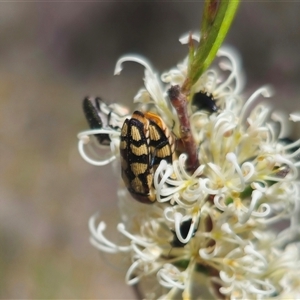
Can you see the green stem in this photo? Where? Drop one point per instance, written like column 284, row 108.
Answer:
column 216, row 21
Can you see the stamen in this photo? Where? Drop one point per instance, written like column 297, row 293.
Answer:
column 250, row 250
column 226, row 228
column 293, row 172
column 144, row 255
column 255, row 197
column 178, row 219
column 226, row 278
column 133, row 238
column 249, row 169
column 294, row 154
column 292, row 145
column 181, row 165
column 265, row 211
column 265, row 91
column 169, row 213
column 233, row 67
column 208, row 254
column 219, row 201
column 233, row 159
column 261, row 186
column 169, row 276
column 205, row 182
column 84, row 140
column 173, row 76
column 81, row 150
column 131, row 273
column 284, row 126
column 267, row 288
column 164, row 194
column 288, row 236
column 99, row 240
column 134, row 58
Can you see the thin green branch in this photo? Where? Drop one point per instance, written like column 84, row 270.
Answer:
column 217, row 18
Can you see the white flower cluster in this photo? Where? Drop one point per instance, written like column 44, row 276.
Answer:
column 220, row 220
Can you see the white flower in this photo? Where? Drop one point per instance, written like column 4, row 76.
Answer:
column 215, row 221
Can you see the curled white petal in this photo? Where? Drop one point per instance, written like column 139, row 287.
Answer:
column 99, row 240
column 132, row 237
column 233, row 159
column 256, row 195
column 284, row 126
column 84, row 139
column 134, row 58
column 234, row 67
column 131, row 278
column 169, row 276
column 265, row 91
column 81, row 150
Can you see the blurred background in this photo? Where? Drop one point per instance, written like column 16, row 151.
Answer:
column 51, row 56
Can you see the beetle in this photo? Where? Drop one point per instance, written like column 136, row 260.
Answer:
column 204, row 100
column 100, row 115
column 145, row 141
column 91, row 110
